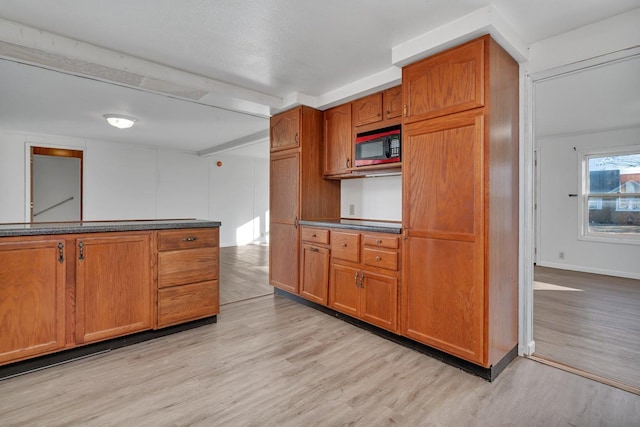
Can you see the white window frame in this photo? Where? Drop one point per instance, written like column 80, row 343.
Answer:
column 584, row 233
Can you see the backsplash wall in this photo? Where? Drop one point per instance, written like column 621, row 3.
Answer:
column 372, row 198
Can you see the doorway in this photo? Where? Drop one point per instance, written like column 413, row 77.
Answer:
column 56, row 184
column 586, row 296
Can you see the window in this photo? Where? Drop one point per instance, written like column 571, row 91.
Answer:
column 612, row 194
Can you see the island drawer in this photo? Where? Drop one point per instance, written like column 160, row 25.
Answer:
column 187, row 266
column 188, row 302
column 188, row 238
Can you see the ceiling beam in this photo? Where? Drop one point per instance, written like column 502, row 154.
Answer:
column 37, row 47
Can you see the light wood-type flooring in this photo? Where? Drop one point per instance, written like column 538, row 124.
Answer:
column 244, row 273
column 270, row 361
column 590, row 322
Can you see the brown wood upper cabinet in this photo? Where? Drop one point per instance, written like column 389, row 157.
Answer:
column 338, row 140
column 285, row 130
column 367, row 110
column 378, row 107
column 392, row 102
column 446, row 83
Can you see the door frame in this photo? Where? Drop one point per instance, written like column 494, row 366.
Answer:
column 32, row 148
column 528, row 226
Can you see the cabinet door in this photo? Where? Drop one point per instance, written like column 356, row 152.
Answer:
column 114, row 286
column 32, row 289
column 443, row 296
column 338, row 140
column 379, row 300
column 283, row 232
column 285, row 130
column 367, row 110
column 392, row 101
column 315, row 273
column 343, row 289
column 449, row 82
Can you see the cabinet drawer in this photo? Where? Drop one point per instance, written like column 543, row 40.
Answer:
column 187, row 266
column 382, row 259
column 315, row 235
column 188, row 302
column 345, row 246
column 188, row 238
column 381, row 241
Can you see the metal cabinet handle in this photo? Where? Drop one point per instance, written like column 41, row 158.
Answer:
column 362, row 281
column 189, row 239
column 81, row 247
column 297, row 141
column 347, row 161
column 60, row 253
column 355, row 281
column 314, row 249
column 295, row 222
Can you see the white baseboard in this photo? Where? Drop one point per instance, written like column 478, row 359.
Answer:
column 625, row 274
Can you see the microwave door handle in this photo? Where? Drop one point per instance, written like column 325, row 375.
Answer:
column 387, row 147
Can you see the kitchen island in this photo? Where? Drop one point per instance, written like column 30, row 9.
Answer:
column 74, row 288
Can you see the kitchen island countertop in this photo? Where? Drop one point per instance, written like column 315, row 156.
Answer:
column 48, row 228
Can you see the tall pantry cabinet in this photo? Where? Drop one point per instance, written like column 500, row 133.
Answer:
column 297, row 190
column 460, row 202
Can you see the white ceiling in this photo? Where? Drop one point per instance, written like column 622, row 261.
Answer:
column 262, row 50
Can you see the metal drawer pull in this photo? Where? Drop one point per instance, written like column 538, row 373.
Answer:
column 314, row 235
column 189, row 239
column 344, row 245
column 378, row 258
column 314, row 249
column 379, row 242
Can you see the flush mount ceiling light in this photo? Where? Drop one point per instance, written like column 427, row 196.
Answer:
column 119, row 121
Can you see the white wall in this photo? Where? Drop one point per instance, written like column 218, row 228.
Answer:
column 121, row 181
column 372, row 198
column 559, row 214
column 239, row 197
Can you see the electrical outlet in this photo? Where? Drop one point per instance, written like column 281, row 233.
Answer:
column 352, row 209
column 561, row 255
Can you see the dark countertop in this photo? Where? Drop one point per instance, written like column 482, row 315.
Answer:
column 357, row 224
column 45, row 228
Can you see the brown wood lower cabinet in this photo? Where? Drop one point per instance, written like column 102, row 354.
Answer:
column 372, row 297
column 352, row 272
column 62, row 291
column 32, row 289
column 188, row 264
column 114, row 286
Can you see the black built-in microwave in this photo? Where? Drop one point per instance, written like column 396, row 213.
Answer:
column 378, row 146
